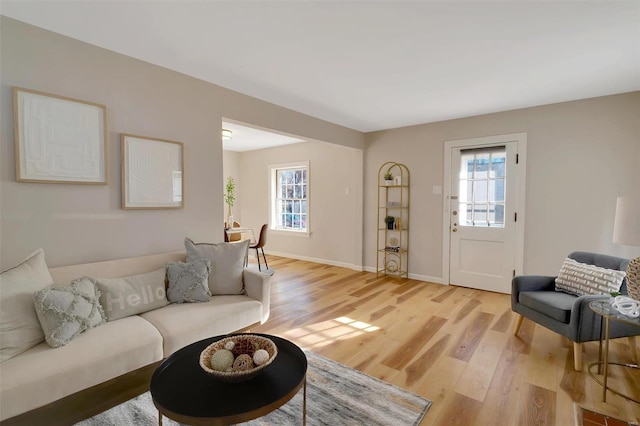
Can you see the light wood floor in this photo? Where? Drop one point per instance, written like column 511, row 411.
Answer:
column 452, row 345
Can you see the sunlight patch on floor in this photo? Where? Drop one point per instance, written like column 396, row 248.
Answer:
column 324, row 333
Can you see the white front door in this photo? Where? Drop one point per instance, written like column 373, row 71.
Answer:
column 484, row 199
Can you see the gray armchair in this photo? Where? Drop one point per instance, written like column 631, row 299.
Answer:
column 534, row 297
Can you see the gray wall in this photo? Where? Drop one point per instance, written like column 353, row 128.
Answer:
column 83, row 223
column 581, row 156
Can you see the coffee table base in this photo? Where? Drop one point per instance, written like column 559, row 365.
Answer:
column 304, row 405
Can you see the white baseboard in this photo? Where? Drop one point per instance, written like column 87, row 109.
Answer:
column 316, row 260
column 426, row 278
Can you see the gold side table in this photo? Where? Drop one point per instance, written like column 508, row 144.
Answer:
column 608, row 313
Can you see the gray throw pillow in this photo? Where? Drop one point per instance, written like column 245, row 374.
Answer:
column 65, row 312
column 189, row 282
column 126, row 296
column 227, row 264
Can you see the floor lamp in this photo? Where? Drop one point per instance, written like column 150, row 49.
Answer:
column 626, row 230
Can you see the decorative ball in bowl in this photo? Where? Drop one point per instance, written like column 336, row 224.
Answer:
column 238, row 358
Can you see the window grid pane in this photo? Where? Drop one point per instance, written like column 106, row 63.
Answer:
column 291, row 199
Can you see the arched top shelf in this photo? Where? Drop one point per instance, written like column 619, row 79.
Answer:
column 395, row 170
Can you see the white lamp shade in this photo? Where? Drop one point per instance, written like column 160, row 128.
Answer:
column 626, row 228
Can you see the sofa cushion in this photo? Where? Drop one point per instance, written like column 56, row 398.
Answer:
column 183, row 324
column 581, row 278
column 122, row 297
column 65, row 312
column 42, row 375
column 227, row 262
column 19, row 325
column 552, row 304
column 189, row 282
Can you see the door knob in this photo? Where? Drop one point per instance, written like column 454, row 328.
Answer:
column 454, row 230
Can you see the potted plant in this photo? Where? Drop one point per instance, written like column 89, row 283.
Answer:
column 388, row 178
column 389, row 220
column 229, row 198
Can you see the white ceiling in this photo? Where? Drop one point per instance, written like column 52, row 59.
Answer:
column 248, row 138
column 372, row 65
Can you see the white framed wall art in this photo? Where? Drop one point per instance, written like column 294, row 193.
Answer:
column 59, row 139
column 152, row 173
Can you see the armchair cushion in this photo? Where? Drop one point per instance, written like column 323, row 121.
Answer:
column 555, row 305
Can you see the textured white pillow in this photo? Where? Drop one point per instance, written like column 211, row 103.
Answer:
column 227, row 264
column 580, row 279
column 19, row 325
column 126, row 296
column 65, row 312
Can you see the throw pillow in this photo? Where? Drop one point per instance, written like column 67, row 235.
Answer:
column 126, row 296
column 189, row 282
column 65, row 312
column 581, row 278
column 227, row 264
column 19, row 325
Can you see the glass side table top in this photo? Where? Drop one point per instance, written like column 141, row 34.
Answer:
column 604, row 308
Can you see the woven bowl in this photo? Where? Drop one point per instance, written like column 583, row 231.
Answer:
column 237, row 376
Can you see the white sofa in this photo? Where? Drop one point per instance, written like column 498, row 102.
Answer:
column 113, row 362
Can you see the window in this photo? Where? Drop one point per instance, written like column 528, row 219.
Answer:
column 482, row 187
column 290, row 197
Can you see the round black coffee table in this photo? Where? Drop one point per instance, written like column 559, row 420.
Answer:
column 182, row 391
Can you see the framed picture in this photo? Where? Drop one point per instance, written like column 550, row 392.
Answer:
column 59, row 139
column 152, row 173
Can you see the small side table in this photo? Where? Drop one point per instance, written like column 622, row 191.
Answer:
column 608, row 313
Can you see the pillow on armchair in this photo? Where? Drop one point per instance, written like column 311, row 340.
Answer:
column 227, row 264
column 581, row 278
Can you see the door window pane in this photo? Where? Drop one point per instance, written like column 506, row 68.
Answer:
column 482, row 187
column 480, row 191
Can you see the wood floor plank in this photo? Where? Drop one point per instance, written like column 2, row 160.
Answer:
column 437, row 385
column 382, row 312
column 466, row 309
column 545, row 357
column 416, row 370
column 538, row 406
column 444, row 295
column 501, row 404
column 469, row 340
column 482, row 366
column 459, row 410
column 503, row 324
column 399, row 358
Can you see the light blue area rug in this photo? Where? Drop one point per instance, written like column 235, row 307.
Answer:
column 336, row 395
